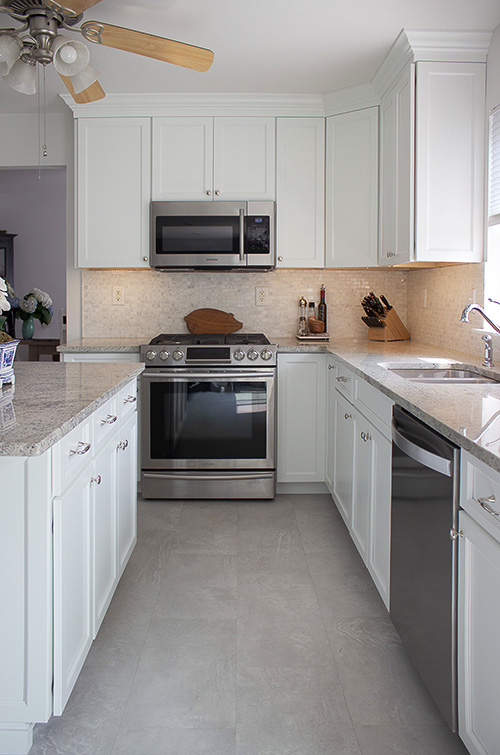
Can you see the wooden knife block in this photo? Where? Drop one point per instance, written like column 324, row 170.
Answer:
column 394, row 329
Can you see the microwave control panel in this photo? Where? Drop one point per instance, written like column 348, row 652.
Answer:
column 257, row 234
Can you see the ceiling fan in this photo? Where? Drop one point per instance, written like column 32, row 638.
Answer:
column 39, row 41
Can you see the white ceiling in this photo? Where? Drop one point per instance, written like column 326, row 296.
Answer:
column 287, row 46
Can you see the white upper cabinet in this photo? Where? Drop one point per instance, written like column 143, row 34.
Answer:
column 113, row 192
column 352, row 189
column 300, row 192
column 432, row 164
column 206, row 159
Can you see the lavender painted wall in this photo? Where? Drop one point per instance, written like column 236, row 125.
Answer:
column 35, row 209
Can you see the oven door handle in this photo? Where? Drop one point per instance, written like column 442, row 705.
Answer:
column 229, row 375
column 203, row 476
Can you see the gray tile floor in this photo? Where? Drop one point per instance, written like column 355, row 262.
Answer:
column 246, row 628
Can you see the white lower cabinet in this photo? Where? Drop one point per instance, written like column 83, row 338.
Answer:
column 104, row 532
column 72, row 586
column 301, row 418
column 359, row 460
column 126, row 480
column 478, row 656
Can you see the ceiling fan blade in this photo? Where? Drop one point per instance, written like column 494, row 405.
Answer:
column 140, row 43
column 78, row 6
column 93, row 93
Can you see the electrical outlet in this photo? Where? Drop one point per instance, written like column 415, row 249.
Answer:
column 118, row 296
column 261, row 296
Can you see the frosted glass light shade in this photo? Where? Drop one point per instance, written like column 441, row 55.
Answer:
column 10, row 49
column 83, row 80
column 22, row 77
column 74, row 49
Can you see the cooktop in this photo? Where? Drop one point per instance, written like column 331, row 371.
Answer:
column 168, row 339
column 169, row 350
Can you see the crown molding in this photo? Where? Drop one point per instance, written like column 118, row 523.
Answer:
column 351, row 98
column 183, row 104
column 414, row 45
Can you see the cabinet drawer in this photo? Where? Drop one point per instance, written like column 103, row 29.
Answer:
column 480, row 493
column 344, row 381
column 374, row 404
column 104, row 422
column 71, row 455
column 126, row 400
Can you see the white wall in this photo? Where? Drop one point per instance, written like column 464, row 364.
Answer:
column 19, row 149
column 493, row 78
column 33, row 205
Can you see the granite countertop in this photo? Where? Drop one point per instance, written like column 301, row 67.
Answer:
column 466, row 414
column 49, row 399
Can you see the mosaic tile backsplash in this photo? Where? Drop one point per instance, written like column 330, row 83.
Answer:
column 429, row 301
column 157, row 302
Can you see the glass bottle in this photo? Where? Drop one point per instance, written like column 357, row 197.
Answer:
column 322, row 305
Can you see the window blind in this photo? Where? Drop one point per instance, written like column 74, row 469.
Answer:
column 494, row 173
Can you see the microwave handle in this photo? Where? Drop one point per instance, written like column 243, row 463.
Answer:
column 242, row 235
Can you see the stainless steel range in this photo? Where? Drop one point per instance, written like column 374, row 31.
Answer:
column 208, row 416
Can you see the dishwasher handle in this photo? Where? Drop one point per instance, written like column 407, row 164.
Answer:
column 419, row 454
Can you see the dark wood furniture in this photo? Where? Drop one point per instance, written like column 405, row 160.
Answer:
column 39, row 346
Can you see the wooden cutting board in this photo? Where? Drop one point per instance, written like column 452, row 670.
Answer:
column 212, row 321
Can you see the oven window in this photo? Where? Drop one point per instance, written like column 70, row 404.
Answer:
column 208, row 419
column 197, row 235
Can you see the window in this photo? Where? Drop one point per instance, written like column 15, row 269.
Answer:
column 492, row 267
column 494, row 169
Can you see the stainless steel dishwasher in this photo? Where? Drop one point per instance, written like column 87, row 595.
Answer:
column 425, row 471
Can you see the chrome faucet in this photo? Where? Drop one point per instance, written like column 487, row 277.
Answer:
column 464, row 317
column 488, row 346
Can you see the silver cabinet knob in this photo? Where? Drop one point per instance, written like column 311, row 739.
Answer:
column 217, row 192
column 209, row 193
column 145, row 259
column 97, row 479
column 280, row 259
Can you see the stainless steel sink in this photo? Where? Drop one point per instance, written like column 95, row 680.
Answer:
column 442, row 375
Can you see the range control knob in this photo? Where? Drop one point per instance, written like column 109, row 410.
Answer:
column 252, row 354
column 164, row 354
column 265, row 354
column 239, row 354
column 177, row 355
column 151, row 355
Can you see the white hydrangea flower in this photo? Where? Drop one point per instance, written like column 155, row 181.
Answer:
column 28, row 304
column 42, row 297
column 4, row 304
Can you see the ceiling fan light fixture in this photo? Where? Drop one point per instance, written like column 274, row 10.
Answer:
column 10, row 50
column 22, row 77
column 71, row 57
column 85, row 79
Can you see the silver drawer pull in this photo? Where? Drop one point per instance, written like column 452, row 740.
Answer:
column 110, row 419
column 454, row 535
column 365, row 436
column 485, row 503
column 82, row 448
column 347, row 416
column 331, row 366
column 342, row 379
column 130, row 399
column 97, row 479
column 122, row 445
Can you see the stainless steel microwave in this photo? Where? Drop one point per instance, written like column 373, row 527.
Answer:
column 212, row 235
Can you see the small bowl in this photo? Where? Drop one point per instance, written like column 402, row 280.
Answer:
column 316, row 326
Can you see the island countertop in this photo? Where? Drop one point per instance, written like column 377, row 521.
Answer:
column 49, row 399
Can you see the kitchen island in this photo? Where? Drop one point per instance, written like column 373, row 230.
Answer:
column 67, row 527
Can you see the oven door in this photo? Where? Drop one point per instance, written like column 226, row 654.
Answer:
column 208, row 419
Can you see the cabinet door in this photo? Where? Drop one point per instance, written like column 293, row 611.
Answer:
column 301, row 418
column 182, row 165
column 362, row 494
column 113, row 192
column 379, row 551
column 450, row 161
column 126, row 456
column 343, row 454
column 72, row 586
column 300, row 162
column 478, row 621
column 352, row 189
column 244, row 158
column 397, row 113
column 104, row 520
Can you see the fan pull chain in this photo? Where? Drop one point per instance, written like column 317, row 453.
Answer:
column 42, row 118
